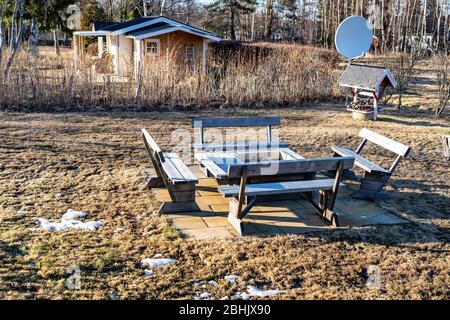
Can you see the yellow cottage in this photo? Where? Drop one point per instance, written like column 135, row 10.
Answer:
column 145, row 39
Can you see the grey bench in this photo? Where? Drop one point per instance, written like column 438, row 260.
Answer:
column 172, row 174
column 244, row 196
column 200, row 124
column 375, row 177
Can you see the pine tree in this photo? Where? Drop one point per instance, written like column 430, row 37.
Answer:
column 223, row 15
column 90, row 13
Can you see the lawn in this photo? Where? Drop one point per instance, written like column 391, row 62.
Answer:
column 96, row 163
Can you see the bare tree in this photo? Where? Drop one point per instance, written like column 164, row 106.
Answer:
column 443, row 81
column 2, row 31
column 15, row 33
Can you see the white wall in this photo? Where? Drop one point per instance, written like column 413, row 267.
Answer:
column 111, row 42
column 126, row 51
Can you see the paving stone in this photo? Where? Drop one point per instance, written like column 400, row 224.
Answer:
column 210, row 200
column 285, row 205
column 220, row 209
column 299, row 227
column 216, row 221
column 357, row 206
column 190, row 214
column 209, row 233
column 189, row 223
column 272, row 217
column 207, row 182
column 207, row 192
column 383, row 218
column 267, row 229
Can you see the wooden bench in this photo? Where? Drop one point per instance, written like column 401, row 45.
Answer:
column 244, row 196
column 172, row 174
column 375, row 177
column 202, row 123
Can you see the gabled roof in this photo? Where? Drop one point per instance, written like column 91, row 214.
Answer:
column 127, row 24
column 366, row 77
column 143, row 26
column 96, row 26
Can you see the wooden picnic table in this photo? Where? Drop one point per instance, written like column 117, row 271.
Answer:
column 216, row 164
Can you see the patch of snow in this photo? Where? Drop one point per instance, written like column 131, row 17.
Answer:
column 245, row 296
column 69, row 224
column 256, row 292
column 212, row 282
column 117, row 230
column 157, row 263
column 225, row 298
column 203, row 296
column 58, row 195
column 231, row 278
column 158, row 255
column 73, row 215
column 148, row 273
column 253, row 291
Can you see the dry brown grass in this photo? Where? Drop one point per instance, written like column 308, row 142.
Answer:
column 96, row 161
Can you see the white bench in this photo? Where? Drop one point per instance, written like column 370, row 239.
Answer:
column 375, row 177
column 247, row 194
column 172, row 174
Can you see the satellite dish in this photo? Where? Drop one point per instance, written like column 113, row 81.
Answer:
column 354, row 37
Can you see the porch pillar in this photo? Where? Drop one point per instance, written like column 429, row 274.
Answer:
column 205, row 48
column 100, row 46
column 137, row 57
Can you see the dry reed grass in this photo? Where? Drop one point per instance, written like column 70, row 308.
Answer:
column 283, row 76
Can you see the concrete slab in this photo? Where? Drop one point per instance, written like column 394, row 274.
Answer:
column 216, row 221
column 219, row 233
column 220, row 209
column 191, row 214
column 209, row 200
column 189, row 223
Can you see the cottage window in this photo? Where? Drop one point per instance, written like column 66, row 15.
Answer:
column 189, row 55
column 152, row 48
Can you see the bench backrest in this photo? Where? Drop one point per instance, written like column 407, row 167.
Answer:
column 385, row 142
column 274, row 168
column 152, row 146
column 202, row 123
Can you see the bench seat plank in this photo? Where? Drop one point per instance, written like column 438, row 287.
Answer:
column 260, row 145
column 217, row 163
column 264, row 189
column 177, row 171
column 361, row 162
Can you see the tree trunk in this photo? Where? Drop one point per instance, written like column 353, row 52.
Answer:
column 55, row 41
column 15, row 34
column 2, row 28
column 269, row 19
column 33, row 39
column 232, row 25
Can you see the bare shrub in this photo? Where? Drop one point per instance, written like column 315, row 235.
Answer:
column 404, row 69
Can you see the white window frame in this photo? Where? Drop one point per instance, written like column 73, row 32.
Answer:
column 193, row 54
column 158, row 48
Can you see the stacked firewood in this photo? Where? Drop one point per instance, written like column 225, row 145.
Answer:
column 362, row 105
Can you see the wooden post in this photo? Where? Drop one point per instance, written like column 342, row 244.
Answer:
column 242, row 189
column 375, row 106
